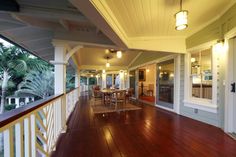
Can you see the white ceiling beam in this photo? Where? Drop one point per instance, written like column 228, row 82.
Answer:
column 65, row 24
column 87, row 8
column 28, row 20
column 101, row 67
column 50, row 13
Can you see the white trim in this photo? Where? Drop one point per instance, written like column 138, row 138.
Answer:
column 229, row 113
column 154, row 61
column 201, row 104
column 176, row 58
column 135, row 58
column 165, row 108
column 230, row 34
column 177, row 84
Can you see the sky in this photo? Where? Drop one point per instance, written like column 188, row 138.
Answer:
column 5, row 43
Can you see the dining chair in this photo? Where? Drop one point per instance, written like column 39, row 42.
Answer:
column 96, row 95
column 118, row 97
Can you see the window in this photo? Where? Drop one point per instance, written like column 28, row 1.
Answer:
column 201, row 74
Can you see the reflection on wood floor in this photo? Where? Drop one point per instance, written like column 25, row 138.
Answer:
column 149, row 132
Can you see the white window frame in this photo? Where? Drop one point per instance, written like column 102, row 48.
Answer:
column 201, row 103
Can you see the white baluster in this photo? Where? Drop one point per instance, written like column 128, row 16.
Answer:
column 19, row 139
column 26, row 138
column 8, row 143
column 33, row 135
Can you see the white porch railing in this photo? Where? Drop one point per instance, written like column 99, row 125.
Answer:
column 33, row 130
column 71, row 98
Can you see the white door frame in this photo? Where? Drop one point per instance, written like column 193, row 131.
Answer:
column 176, row 103
column 229, row 113
column 176, row 58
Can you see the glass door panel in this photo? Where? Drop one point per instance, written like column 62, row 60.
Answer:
column 165, row 84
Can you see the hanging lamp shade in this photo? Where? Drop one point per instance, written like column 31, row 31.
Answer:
column 181, row 18
column 119, row 54
column 107, row 64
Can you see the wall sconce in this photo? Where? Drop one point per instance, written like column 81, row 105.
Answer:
column 218, row 47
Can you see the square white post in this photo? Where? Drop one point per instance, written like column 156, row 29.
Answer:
column 122, row 80
column 104, row 80
column 60, row 77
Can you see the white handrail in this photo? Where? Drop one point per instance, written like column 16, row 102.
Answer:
column 35, row 133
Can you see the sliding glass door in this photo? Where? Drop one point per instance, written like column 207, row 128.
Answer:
column 165, row 84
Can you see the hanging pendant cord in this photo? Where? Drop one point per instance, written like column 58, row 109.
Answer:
column 180, row 5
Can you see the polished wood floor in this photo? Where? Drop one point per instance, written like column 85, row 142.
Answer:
column 150, row 132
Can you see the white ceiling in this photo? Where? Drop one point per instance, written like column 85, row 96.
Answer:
column 152, row 18
column 150, row 24
column 97, row 56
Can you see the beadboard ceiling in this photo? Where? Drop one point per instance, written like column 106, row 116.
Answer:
column 150, row 24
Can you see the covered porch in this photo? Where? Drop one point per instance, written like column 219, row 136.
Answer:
column 142, row 88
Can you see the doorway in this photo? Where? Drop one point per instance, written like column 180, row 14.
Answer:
column 230, row 104
column 165, row 84
column 232, row 84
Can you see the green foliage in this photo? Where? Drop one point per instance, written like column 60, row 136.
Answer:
column 83, row 80
column 70, row 81
column 38, row 83
column 17, row 63
column 92, row 81
column 10, row 107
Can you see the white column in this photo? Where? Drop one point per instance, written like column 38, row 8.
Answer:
column 122, row 79
column 136, row 83
column 32, row 99
column 77, row 80
column 60, row 68
column 17, row 102
column 113, row 84
column 104, row 80
column 60, row 77
column 26, row 100
column 87, row 87
column 9, row 101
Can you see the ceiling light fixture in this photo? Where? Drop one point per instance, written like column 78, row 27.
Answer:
column 119, row 54
column 181, row 18
column 107, row 64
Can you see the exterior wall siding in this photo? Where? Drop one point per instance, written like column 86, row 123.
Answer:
column 215, row 30
column 216, row 119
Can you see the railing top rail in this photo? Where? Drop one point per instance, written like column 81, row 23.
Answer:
column 15, row 114
column 71, row 90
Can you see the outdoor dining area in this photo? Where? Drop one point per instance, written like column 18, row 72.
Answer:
column 112, row 100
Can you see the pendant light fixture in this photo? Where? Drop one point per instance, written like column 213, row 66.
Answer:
column 181, row 18
column 107, row 64
column 119, row 54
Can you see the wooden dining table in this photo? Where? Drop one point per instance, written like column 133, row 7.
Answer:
column 108, row 92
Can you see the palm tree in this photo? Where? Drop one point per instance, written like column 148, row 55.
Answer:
column 15, row 60
column 40, row 84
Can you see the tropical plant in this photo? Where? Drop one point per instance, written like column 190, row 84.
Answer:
column 38, row 83
column 16, row 60
column 70, row 81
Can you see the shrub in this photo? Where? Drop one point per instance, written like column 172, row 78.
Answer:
column 10, row 107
